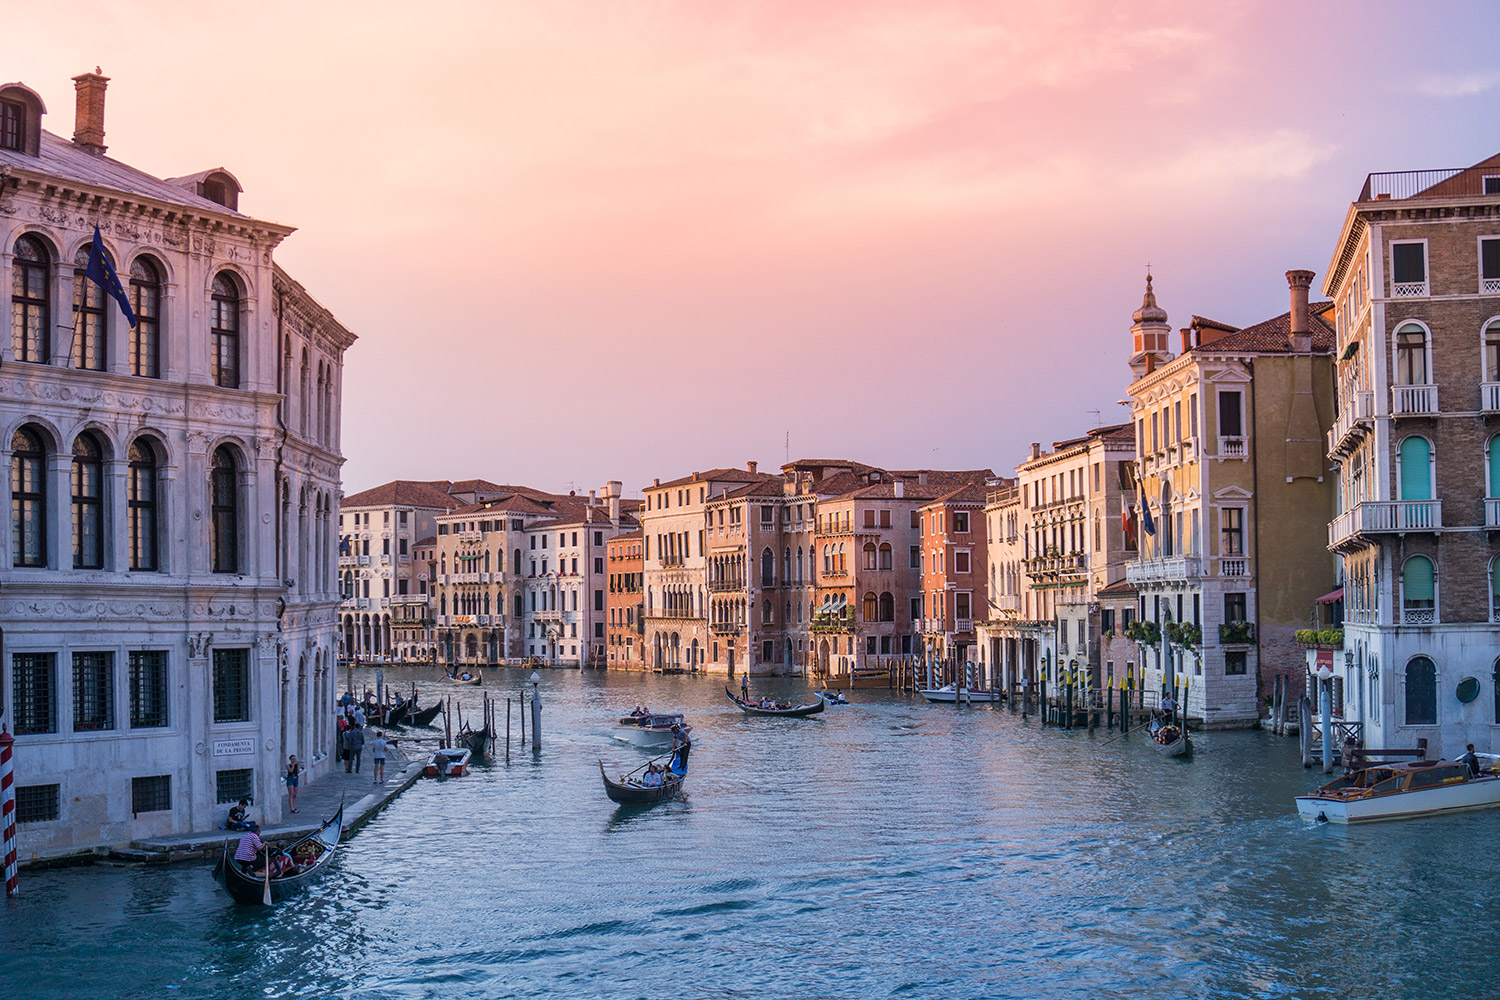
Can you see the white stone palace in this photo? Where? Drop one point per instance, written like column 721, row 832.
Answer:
column 168, row 602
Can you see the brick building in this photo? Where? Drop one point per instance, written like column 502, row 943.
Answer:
column 624, row 603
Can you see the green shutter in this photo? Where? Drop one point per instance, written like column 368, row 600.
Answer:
column 1416, row 473
column 1494, row 459
column 1417, row 580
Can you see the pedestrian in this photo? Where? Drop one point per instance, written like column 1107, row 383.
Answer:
column 359, row 716
column 292, row 778
column 356, row 748
column 377, row 757
column 343, row 724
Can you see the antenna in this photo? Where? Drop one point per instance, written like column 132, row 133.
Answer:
column 789, row 446
column 1098, row 421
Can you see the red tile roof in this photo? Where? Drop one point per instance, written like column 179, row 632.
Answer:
column 404, row 493
column 1272, row 336
column 711, row 476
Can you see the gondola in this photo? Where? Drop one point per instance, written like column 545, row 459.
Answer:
column 395, row 715
column 750, row 708
column 475, row 740
column 425, row 716
column 247, row 888
column 629, row 794
column 1169, row 745
column 478, row 678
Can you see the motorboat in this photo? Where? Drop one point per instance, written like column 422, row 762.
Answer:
column 834, row 697
column 1403, row 791
column 948, row 694
column 651, row 730
column 451, row 762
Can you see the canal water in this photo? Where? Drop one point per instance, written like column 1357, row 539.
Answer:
column 887, row 849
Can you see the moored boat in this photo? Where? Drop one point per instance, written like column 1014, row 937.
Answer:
column 310, row 857
column 474, row 739
column 948, row 695
column 452, row 762
column 650, row 730
column 1402, row 791
column 425, row 716
column 759, row 708
column 633, row 792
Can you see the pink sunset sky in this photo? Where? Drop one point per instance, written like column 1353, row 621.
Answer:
column 618, row 240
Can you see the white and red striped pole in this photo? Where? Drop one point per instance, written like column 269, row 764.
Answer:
column 8, row 810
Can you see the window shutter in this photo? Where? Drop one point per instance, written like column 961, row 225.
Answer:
column 1417, row 580
column 1416, row 473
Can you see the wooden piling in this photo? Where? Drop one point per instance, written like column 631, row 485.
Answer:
column 507, row 730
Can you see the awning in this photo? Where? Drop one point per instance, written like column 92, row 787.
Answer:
column 1331, row 596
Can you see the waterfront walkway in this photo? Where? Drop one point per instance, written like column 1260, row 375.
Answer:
column 316, row 802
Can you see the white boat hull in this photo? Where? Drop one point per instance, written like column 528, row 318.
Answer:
column 947, row 695
column 638, row 737
column 1480, row 793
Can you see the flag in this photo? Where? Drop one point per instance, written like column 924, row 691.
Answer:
column 1147, row 525
column 101, row 271
column 344, row 547
column 1127, row 522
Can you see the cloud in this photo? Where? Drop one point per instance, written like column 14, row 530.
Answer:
column 1445, row 86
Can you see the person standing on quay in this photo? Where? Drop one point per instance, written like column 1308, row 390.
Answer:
column 355, row 747
column 377, row 757
column 293, row 778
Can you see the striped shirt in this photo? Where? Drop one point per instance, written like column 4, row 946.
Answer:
column 250, row 845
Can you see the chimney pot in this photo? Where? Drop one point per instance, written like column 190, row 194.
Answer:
column 1187, row 339
column 1300, row 333
column 88, row 121
column 900, row 489
column 750, row 467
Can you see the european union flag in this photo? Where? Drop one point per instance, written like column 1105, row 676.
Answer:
column 101, row 271
column 1147, row 524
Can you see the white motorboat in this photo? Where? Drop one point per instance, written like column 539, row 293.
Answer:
column 650, row 731
column 948, row 695
column 1402, row 791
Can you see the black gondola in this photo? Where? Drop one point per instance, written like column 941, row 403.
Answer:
column 250, row 889
column 630, row 794
column 476, row 740
column 395, row 715
column 425, row 716
column 751, row 708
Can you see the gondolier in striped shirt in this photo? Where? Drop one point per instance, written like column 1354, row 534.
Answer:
column 250, row 844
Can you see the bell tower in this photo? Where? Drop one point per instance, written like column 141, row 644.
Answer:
column 1149, row 333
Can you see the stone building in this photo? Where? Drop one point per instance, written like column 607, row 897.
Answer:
column 169, row 613
column 954, row 565
column 1230, row 440
column 1415, row 282
column 748, row 534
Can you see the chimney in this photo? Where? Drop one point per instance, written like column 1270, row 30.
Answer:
column 750, row 468
column 1187, row 339
column 922, row 477
column 591, row 498
column 88, row 123
column 1036, row 450
column 1300, row 333
column 900, row 489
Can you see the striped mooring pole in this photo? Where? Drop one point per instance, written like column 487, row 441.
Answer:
column 8, row 810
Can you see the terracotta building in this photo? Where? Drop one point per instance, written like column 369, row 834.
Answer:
column 624, row 602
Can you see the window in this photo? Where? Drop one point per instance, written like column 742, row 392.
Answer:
column 960, row 522
column 1411, row 355
column 1235, row 661
column 1421, row 692
column 1235, row 608
column 961, row 561
column 224, row 320
column 916, row 557
column 1418, row 591
column 961, row 606
column 885, row 555
column 231, row 685
column 36, row 803
column 141, row 505
column 1489, row 264
column 90, row 344
column 152, row 794
column 88, row 503
column 1233, row 531
column 767, row 568
column 869, row 553
column 29, row 335
column 224, row 512
column 1492, row 350
column 28, row 498
column 1230, row 424
column 93, row 692
column 885, row 518
column 148, row 689
column 34, row 689
column 767, row 651
column 869, row 517
column 13, row 128
column 1409, row 268
column 233, row 785
column 1416, row 469
column 767, row 515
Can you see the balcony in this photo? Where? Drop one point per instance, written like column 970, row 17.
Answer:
column 1173, row 569
column 1413, row 400
column 963, row 625
column 1007, row 602
column 1231, row 446
column 1492, row 514
column 1489, row 397
column 726, row 628
column 1352, row 423
column 729, row 585
column 1234, row 567
column 364, row 560
column 1373, row 517
column 1409, row 289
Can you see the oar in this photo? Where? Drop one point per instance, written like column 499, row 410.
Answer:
column 1125, row 734
column 265, row 899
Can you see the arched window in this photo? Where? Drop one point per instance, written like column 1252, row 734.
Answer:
column 1492, row 466
column 871, row 607
column 29, row 322
column 1421, row 692
column 516, row 561
column 305, row 414
column 224, row 321
column 869, row 551
column 827, row 559
column 767, row 568
column 1418, row 591
column 786, row 565
column 224, row 524
column 88, row 503
column 1492, row 351
column 90, row 340
column 141, row 505
column 28, row 498
column 1411, row 355
column 887, row 607
column 843, row 566
column 1495, row 687
column 1416, row 469
column 885, row 555
column 1495, row 589
column 767, row 615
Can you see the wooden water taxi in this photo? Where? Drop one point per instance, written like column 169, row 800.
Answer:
column 1402, row 791
column 948, row 695
column 651, row 730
